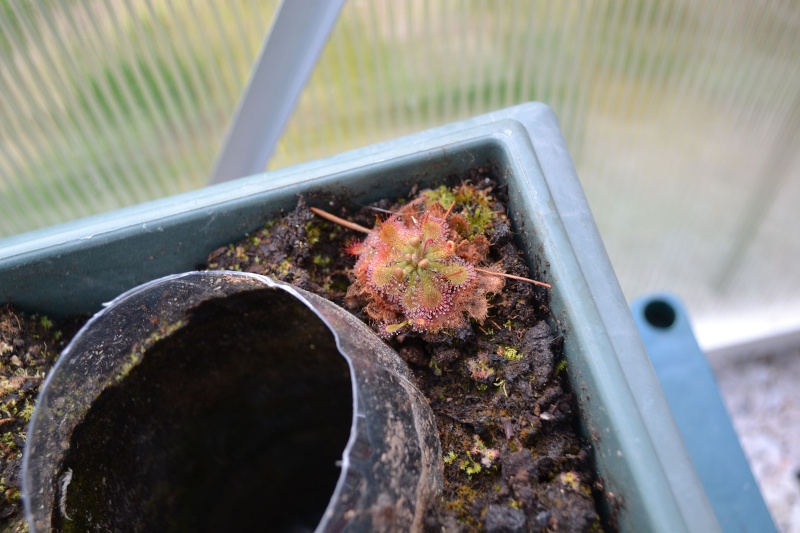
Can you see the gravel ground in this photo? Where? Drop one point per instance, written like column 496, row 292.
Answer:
column 763, row 399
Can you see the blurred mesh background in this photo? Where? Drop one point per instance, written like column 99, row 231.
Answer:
column 682, row 116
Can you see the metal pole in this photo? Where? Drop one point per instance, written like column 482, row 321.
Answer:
column 299, row 31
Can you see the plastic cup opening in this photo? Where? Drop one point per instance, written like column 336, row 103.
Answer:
column 235, row 421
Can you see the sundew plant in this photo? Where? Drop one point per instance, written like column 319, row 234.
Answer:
column 423, row 267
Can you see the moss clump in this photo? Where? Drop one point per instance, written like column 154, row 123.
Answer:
column 313, row 232
column 509, row 352
column 474, row 204
column 29, row 345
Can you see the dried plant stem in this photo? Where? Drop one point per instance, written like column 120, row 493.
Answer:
column 340, row 221
column 512, row 276
column 362, row 229
column 449, row 209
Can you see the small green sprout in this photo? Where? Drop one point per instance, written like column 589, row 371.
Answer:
column 470, row 466
column 45, row 322
column 570, row 479
column 502, row 383
column 26, row 413
column 313, row 233
column 434, row 366
column 321, row 261
column 509, row 352
column 7, row 439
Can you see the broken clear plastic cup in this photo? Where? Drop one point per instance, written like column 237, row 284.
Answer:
column 212, row 401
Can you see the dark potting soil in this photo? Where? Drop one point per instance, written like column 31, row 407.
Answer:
column 513, row 459
column 29, row 346
column 512, row 456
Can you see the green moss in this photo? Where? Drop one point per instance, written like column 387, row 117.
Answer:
column 313, row 233
column 510, row 353
column 470, row 466
column 434, row 366
column 570, row 479
column 474, row 204
column 7, row 440
column 339, row 284
column 285, row 268
column 321, row 261
column 461, row 505
column 442, row 195
column 480, row 219
column 26, row 413
column 126, row 368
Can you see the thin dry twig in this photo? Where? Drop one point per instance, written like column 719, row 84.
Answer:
column 340, row 221
column 512, row 276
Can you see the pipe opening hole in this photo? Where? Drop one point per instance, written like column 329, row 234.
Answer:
column 234, row 422
column 660, row 314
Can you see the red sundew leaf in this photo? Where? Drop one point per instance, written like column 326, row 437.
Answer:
column 455, row 273
column 421, row 295
column 391, row 234
column 410, row 298
column 440, row 251
column 383, row 274
column 431, row 295
column 433, row 228
column 355, row 248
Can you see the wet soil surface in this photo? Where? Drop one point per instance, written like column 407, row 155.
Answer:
column 513, row 460
column 512, row 456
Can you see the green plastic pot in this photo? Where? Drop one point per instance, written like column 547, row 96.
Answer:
column 644, row 465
